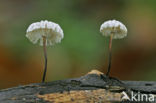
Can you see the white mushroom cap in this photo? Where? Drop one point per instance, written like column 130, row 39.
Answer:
column 50, row 30
column 115, row 28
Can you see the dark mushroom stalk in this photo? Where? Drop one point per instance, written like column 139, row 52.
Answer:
column 45, row 57
column 110, row 55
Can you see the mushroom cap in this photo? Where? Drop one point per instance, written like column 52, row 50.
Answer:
column 50, row 30
column 115, row 28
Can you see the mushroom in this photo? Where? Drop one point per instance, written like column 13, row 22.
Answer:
column 46, row 33
column 114, row 30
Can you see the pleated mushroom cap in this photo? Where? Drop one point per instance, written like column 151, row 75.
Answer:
column 50, row 30
column 115, row 28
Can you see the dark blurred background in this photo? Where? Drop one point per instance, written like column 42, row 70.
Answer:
column 83, row 47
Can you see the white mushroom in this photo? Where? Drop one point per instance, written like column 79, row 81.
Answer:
column 115, row 30
column 50, row 30
column 45, row 33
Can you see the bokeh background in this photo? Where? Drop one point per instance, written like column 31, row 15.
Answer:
column 83, row 47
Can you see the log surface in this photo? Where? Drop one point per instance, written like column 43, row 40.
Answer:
column 94, row 87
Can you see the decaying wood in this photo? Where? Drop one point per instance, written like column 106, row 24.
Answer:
column 94, row 87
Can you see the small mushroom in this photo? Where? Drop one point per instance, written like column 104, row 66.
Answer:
column 114, row 30
column 46, row 33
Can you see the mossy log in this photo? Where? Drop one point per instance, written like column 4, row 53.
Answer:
column 94, row 87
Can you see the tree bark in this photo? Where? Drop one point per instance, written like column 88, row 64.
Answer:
column 94, row 87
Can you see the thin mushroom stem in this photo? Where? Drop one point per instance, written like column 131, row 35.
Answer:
column 45, row 57
column 110, row 55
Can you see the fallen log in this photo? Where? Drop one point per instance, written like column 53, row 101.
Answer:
column 94, row 87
